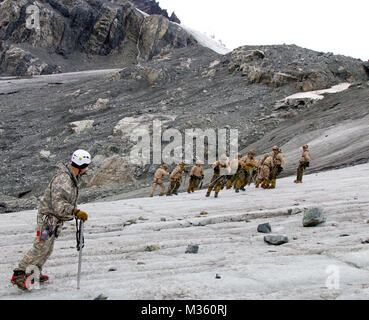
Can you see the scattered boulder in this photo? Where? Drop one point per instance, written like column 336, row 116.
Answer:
column 19, row 62
column 192, row 249
column 151, row 248
column 114, row 170
column 152, row 75
column 313, row 217
column 125, row 126
column 276, row 239
column 80, row 126
column 100, row 103
column 294, row 211
column 113, row 76
column 45, row 154
column 101, row 297
column 264, row 228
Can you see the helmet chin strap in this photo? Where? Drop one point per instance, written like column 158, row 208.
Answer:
column 80, row 173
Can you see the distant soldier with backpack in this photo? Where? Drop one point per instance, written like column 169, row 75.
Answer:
column 236, row 163
column 265, row 165
column 248, row 163
column 303, row 163
column 158, row 180
column 196, row 175
column 176, row 179
column 278, row 165
column 221, row 170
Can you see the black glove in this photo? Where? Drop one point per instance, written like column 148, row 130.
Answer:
column 280, row 169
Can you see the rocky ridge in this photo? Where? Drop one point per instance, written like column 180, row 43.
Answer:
column 182, row 84
column 48, row 36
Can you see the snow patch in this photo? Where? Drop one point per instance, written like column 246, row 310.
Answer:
column 318, row 94
column 143, row 13
column 206, row 41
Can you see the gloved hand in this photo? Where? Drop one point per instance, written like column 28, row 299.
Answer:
column 80, row 214
column 202, row 177
column 245, row 166
column 280, row 169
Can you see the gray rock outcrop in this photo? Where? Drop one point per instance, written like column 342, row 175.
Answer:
column 290, row 66
column 48, row 36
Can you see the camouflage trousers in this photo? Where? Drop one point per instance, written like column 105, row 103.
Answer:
column 193, row 184
column 242, row 179
column 157, row 182
column 273, row 176
column 300, row 171
column 217, row 184
column 38, row 254
column 231, row 180
column 174, row 186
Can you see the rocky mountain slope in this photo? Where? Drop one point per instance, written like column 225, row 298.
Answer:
column 48, row 36
column 160, row 73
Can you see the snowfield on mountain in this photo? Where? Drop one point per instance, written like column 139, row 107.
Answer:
column 136, row 248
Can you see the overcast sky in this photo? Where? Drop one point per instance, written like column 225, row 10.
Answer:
column 337, row 26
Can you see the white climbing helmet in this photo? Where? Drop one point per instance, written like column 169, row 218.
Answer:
column 81, row 159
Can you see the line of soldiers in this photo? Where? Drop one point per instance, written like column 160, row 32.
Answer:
column 237, row 173
column 176, row 177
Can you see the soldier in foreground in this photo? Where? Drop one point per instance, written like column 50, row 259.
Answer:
column 196, row 175
column 158, row 180
column 176, row 179
column 303, row 163
column 221, row 170
column 278, row 165
column 57, row 205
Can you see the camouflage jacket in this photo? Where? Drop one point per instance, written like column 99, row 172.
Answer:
column 59, row 199
column 278, row 159
column 176, row 173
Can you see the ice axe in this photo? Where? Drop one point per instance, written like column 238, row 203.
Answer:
column 202, row 180
column 80, row 245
